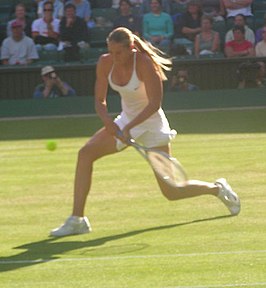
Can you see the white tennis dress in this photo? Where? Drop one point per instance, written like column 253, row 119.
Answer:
column 154, row 131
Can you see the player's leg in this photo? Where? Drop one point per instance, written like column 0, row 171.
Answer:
column 101, row 144
column 193, row 188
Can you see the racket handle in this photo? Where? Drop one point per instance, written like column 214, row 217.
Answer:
column 129, row 141
column 119, row 133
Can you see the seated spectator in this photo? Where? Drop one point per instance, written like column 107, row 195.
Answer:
column 52, row 86
column 146, row 6
column 260, row 47
column 180, row 83
column 236, row 7
column 83, row 9
column 74, row 34
column 239, row 47
column 158, row 26
column 20, row 15
column 207, row 41
column 258, row 34
column 240, row 20
column 213, row 8
column 127, row 19
column 251, row 75
column 18, row 49
column 45, row 31
column 191, row 25
column 58, row 9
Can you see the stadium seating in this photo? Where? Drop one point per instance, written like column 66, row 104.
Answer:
column 50, row 57
column 5, row 11
column 109, row 14
column 92, row 54
column 98, row 36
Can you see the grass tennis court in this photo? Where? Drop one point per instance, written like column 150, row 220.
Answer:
column 139, row 239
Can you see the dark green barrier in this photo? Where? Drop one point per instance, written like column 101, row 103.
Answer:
column 172, row 101
column 208, row 74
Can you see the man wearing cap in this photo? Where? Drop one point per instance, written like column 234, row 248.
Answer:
column 18, row 49
column 52, row 86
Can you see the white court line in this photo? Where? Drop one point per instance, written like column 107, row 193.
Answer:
column 252, row 285
column 128, row 257
column 116, row 113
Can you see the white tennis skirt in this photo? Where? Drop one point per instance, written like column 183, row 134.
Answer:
column 153, row 132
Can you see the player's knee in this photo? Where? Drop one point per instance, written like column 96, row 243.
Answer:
column 174, row 194
column 87, row 153
column 170, row 197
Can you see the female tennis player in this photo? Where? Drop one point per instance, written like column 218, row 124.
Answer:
column 134, row 68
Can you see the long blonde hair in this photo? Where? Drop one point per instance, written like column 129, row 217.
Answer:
column 125, row 36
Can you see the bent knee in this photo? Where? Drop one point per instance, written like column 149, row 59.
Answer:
column 88, row 152
column 174, row 193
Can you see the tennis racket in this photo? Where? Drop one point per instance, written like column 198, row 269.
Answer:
column 166, row 167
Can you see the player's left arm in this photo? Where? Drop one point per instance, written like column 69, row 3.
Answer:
column 153, row 85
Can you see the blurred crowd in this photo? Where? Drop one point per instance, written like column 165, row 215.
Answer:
column 181, row 28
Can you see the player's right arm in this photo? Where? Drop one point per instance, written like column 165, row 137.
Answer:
column 101, row 87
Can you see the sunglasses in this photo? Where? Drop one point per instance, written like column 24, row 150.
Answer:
column 47, row 10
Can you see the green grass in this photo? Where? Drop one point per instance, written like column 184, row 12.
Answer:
column 139, row 239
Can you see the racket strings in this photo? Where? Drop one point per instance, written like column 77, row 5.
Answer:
column 167, row 168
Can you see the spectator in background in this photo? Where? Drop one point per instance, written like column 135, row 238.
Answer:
column 74, row 34
column 239, row 47
column 180, row 82
column 240, row 20
column 191, row 25
column 260, row 47
column 45, row 31
column 127, row 19
column 20, row 15
column 158, row 26
column 207, row 41
column 18, row 49
column 146, row 6
column 251, row 75
column 83, row 9
column 52, row 86
column 258, row 34
column 236, row 7
column 261, row 80
column 58, row 9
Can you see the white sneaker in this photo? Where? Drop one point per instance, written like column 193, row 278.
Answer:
column 228, row 196
column 73, row 225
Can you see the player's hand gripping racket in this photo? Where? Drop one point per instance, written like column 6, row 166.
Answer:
column 165, row 166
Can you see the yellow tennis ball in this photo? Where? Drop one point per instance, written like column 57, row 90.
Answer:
column 51, row 145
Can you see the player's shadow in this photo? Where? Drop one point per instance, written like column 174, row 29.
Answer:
column 49, row 250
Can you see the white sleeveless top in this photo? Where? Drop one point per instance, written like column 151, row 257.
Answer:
column 134, row 99
column 133, row 95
